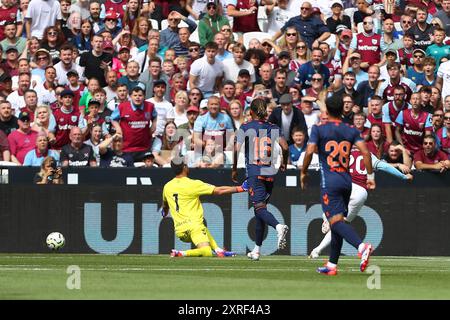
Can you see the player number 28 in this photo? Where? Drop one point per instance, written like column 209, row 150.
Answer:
column 339, row 151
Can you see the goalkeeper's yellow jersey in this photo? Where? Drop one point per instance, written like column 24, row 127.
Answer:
column 182, row 195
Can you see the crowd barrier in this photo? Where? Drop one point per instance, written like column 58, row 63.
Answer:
column 114, row 211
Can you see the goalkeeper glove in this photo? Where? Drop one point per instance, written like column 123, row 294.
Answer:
column 243, row 187
column 163, row 214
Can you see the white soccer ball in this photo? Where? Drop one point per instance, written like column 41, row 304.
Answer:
column 55, row 241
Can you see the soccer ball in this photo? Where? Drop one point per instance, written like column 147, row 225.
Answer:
column 55, row 241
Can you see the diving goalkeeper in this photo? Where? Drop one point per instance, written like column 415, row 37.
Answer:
column 181, row 196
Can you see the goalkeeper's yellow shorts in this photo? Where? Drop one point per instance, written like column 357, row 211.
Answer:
column 193, row 234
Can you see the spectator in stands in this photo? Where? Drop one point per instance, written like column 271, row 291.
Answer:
column 349, row 110
column 430, row 157
column 16, row 98
column 94, row 17
column 49, row 173
column 5, row 154
column 96, row 62
column 391, row 110
column 338, row 17
column 213, row 157
column 11, row 40
column 112, row 155
column 67, row 116
column 369, row 87
column 286, row 117
column 44, row 121
column 212, row 124
column 389, row 41
column 437, row 120
column 398, row 157
column 23, row 139
column 135, row 121
column 349, row 88
column 169, row 36
column 82, row 40
column 211, row 23
column 187, row 129
column 415, row 72
column 311, row 115
column 206, row 73
column 95, row 138
column 363, row 11
column 52, row 40
column 421, row 30
column 367, row 43
column 162, row 106
column 111, row 24
column 244, row 14
column 36, row 22
column 386, row 89
column 289, row 41
column 277, row 15
column 317, row 93
column 438, row 49
column 302, row 55
column 36, row 156
column 139, row 33
column 195, row 97
column 297, row 147
column 359, row 120
column 168, row 146
column 76, row 153
column 310, row 28
column 296, row 95
column 429, row 76
column 443, row 134
column 412, row 124
column 236, row 113
column 233, row 66
column 65, row 64
column 305, row 73
column 46, row 90
column 265, row 76
column 376, row 142
column 444, row 15
column 131, row 79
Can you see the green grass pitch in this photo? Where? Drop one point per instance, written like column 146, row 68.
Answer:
column 38, row 276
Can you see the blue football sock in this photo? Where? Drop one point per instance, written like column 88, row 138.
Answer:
column 266, row 216
column 347, row 232
column 336, row 246
column 259, row 230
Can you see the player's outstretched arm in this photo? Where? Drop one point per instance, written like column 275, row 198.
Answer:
column 381, row 165
column 218, row 191
column 361, row 145
column 310, row 149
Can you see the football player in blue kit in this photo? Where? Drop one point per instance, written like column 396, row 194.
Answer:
column 333, row 141
column 260, row 138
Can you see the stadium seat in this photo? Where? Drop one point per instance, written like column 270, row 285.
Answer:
column 194, row 36
column 258, row 35
column 165, row 24
column 398, row 26
column 154, row 24
column 263, row 22
column 331, row 41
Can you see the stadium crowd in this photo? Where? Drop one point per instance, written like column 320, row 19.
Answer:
column 117, row 83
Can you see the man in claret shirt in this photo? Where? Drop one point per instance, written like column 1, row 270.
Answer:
column 135, row 121
column 411, row 125
column 391, row 111
column 431, row 158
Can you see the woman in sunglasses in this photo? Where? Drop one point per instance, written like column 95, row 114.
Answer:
column 52, row 41
column 289, row 41
column 302, row 55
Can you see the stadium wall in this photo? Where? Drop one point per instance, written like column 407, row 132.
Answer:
column 114, row 211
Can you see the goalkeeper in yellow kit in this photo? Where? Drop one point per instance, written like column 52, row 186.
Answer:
column 181, row 196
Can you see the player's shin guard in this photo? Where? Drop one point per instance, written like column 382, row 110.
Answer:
column 336, row 246
column 200, row 252
column 262, row 213
column 347, row 232
column 259, row 231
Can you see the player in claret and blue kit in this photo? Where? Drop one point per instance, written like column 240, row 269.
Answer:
column 333, row 141
column 260, row 138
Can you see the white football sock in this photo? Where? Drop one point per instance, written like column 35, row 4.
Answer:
column 361, row 247
column 256, row 249
column 331, row 265
column 325, row 243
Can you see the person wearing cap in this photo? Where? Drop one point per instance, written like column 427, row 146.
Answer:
column 96, row 62
column 345, row 38
column 149, row 160
column 111, row 23
column 91, row 118
column 36, row 22
column 244, row 81
column 338, row 18
column 66, row 64
column 415, row 72
column 67, row 116
column 363, row 10
column 10, row 29
column 277, row 15
column 11, row 65
column 169, row 36
column 233, row 66
column 211, row 23
column 23, row 139
column 286, row 117
column 42, row 59
column 162, row 105
column 310, row 28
